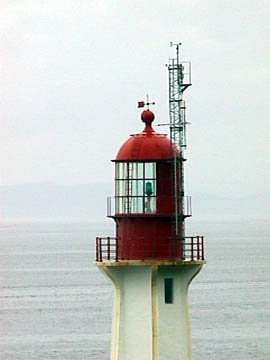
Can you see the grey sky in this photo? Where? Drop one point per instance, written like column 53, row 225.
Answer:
column 72, row 72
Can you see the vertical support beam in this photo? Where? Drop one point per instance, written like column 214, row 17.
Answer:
column 96, row 248
column 202, row 248
column 108, row 248
column 100, row 249
column 198, row 248
column 154, row 303
column 116, row 249
column 183, row 247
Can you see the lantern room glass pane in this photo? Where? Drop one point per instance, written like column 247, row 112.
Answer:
column 136, row 170
column 137, row 205
column 120, row 187
column 121, row 170
column 150, row 204
column 150, row 170
column 119, row 208
column 136, row 188
column 140, row 171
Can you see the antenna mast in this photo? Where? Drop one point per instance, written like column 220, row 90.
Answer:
column 179, row 81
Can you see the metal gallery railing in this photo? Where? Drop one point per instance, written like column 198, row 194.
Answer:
column 107, row 248
column 193, row 248
column 126, row 205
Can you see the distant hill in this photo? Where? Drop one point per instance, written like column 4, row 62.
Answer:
column 55, row 201
column 89, row 201
column 241, row 206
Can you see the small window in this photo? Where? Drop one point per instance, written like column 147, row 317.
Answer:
column 168, row 291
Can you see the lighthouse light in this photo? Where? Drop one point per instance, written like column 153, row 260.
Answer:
column 148, row 188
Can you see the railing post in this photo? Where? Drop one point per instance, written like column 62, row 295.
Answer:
column 100, row 249
column 183, row 245
column 108, row 249
column 202, row 247
column 96, row 248
column 122, row 249
column 126, row 247
column 192, row 248
column 116, row 249
column 108, row 206
column 198, row 247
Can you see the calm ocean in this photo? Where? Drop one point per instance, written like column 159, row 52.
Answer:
column 54, row 304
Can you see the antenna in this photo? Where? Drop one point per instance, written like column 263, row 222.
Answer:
column 177, row 45
column 179, row 81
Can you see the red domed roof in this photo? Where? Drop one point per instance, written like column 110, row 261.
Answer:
column 148, row 144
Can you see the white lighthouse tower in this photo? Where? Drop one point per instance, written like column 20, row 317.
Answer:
column 151, row 261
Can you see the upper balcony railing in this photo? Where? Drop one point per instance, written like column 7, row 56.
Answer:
column 159, row 205
column 107, row 248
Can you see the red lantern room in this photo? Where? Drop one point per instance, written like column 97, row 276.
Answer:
column 144, row 196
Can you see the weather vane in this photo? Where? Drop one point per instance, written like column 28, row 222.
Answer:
column 147, row 103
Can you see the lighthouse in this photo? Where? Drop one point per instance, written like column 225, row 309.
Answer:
column 150, row 260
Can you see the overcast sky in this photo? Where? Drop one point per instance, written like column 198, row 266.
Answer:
column 72, row 72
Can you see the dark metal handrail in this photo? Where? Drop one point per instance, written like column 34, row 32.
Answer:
column 163, row 204
column 193, row 248
column 107, row 248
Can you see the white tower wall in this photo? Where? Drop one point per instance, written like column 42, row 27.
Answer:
column 173, row 319
column 144, row 327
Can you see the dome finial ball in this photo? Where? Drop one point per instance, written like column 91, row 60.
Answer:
column 147, row 116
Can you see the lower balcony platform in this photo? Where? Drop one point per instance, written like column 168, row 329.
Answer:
column 191, row 250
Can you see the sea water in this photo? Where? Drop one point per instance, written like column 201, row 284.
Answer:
column 54, row 304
